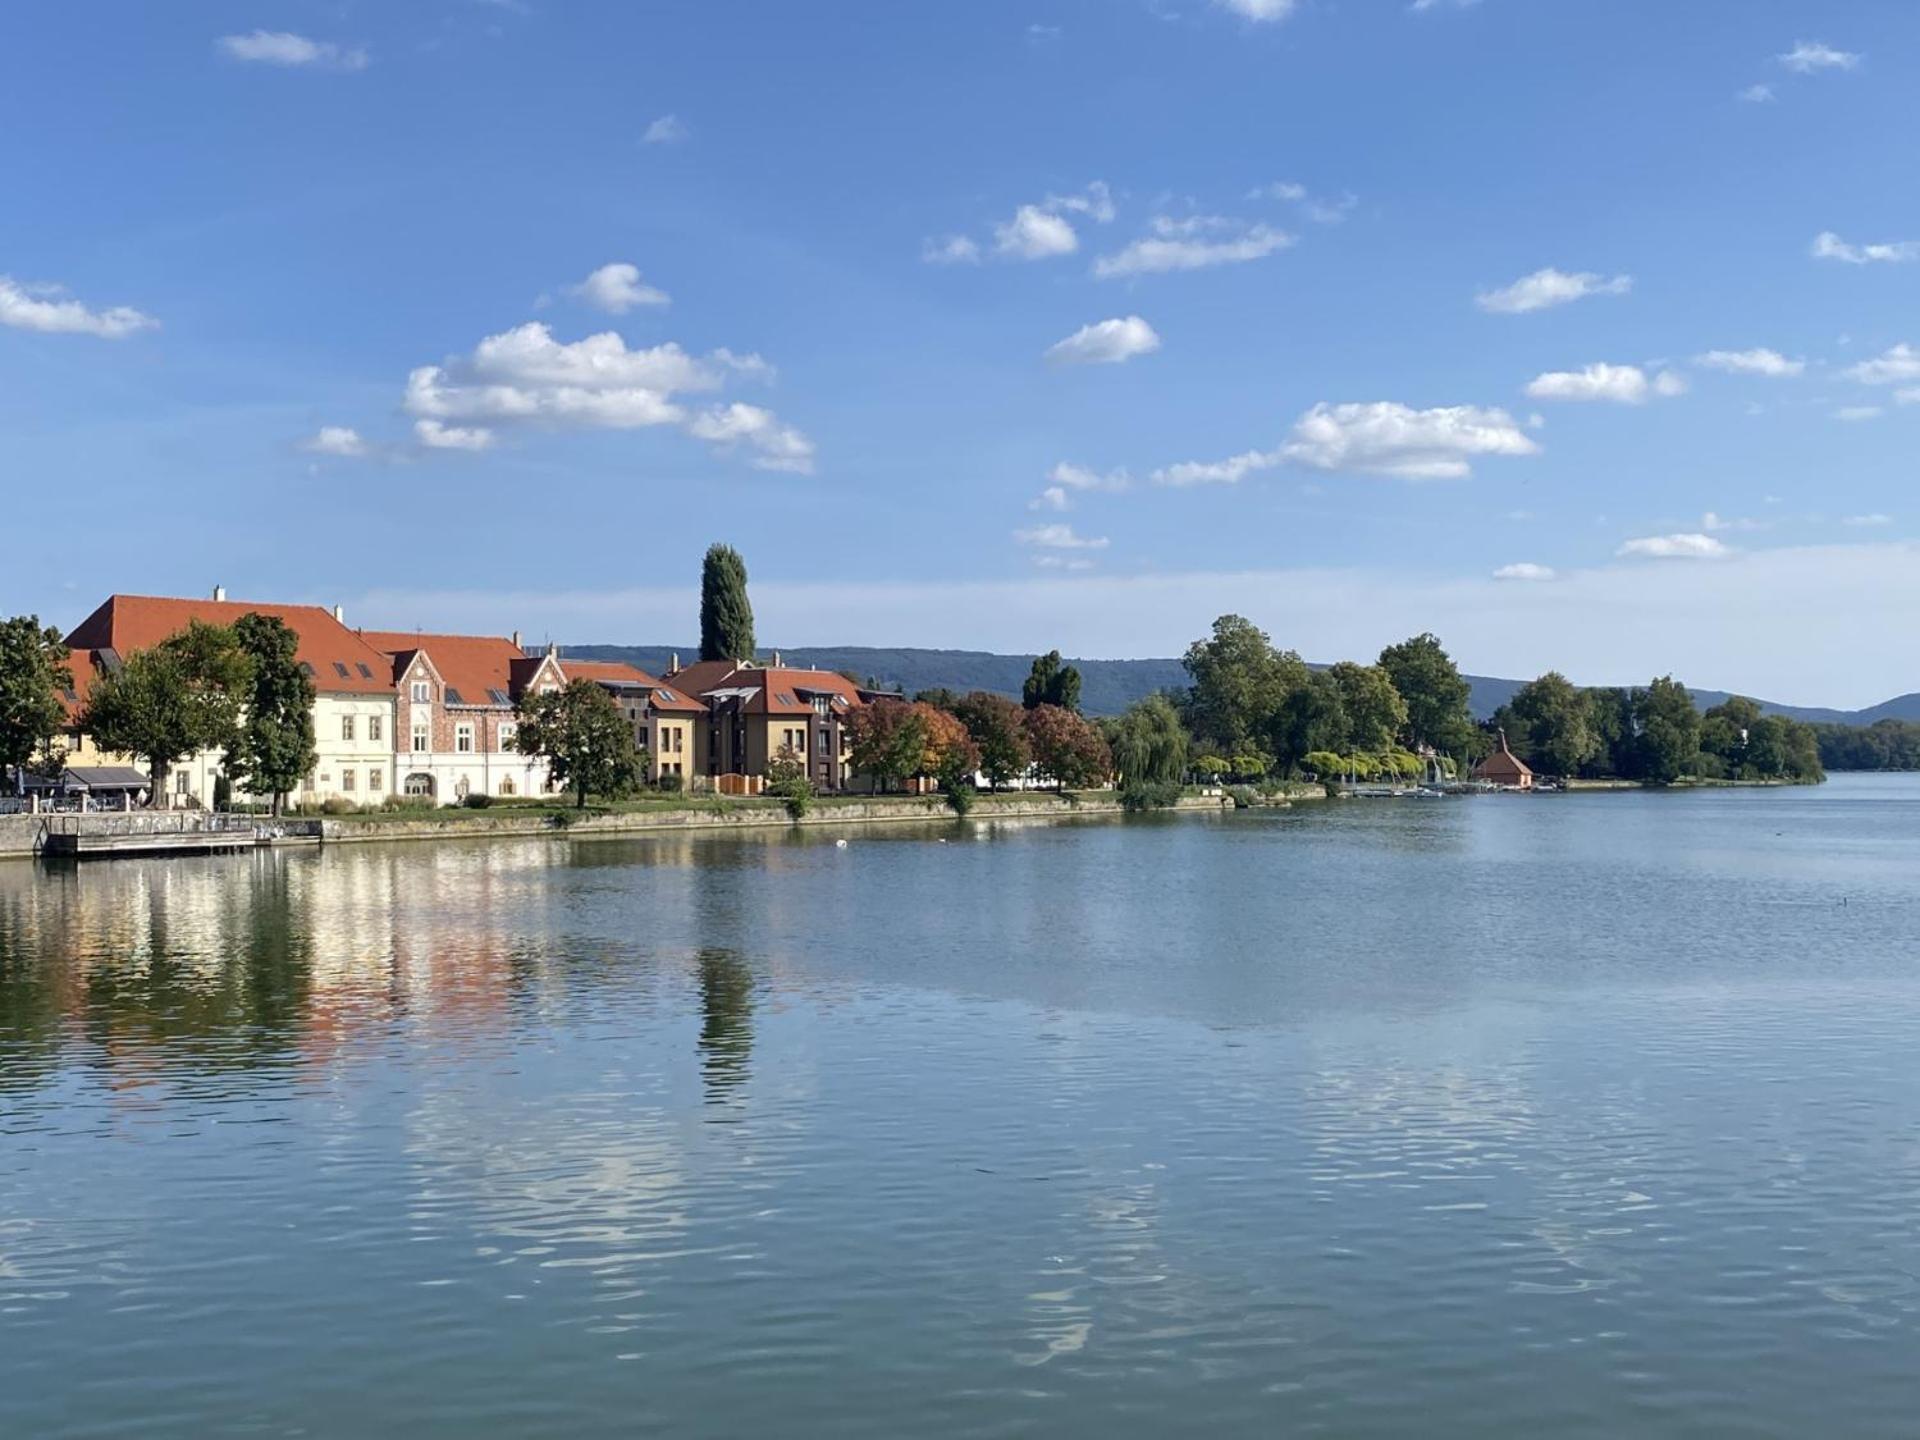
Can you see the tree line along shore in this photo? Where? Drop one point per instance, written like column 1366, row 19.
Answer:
column 1251, row 715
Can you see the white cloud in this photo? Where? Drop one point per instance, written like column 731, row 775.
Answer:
column 1059, row 536
column 1108, row 342
column 774, row 446
column 1907, row 397
column 617, row 288
column 667, row 130
column 340, row 440
column 1095, row 202
column 1195, row 242
column 1868, row 521
column 1524, row 570
column 1062, row 562
column 1381, row 438
column 1079, row 477
column 950, row 250
column 1809, row 56
column 280, row 47
column 1620, row 384
column 1855, row 414
column 1319, row 210
column 525, row 376
column 1757, row 95
column 1034, row 234
column 1750, row 362
column 1259, row 10
column 1385, row 438
column 1230, row 471
column 1054, row 497
column 1829, row 246
column 436, row 436
column 1675, row 547
column 1714, row 521
column 1544, row 289
column 1898, row 366
column 41, row 308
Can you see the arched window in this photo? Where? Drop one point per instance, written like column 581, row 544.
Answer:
column 419, row 784
column 507, row 785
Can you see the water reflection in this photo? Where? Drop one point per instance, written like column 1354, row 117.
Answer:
column 726, row 1023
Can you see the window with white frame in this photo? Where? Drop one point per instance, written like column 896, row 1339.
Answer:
column 346, row 779
column 422, row 692
column 420, row 739
column 376, row 727
column 463, row 739
column 346, row 727
column 376, row 779
column 506, row 732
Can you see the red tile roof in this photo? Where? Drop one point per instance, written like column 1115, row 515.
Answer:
column 782, row 690
column 341, row 661
column 666, row 696
column 85, row 670
column 474, row 667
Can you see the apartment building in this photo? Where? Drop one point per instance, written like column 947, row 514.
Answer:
column 455, row 722
column 756, row 711
column 666, row 720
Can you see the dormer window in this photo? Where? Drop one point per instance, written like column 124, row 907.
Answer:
column 422, row 692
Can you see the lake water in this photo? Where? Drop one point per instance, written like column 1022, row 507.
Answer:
column 1572, row 1116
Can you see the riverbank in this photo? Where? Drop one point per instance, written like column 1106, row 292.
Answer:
column 22, row 836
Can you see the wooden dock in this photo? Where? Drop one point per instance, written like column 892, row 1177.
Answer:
column 108, row 837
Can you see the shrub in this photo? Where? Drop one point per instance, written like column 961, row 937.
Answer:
column 1245, row 797
column 670, row 784
column 956, row 781
column 1150, row 795
column 798, row 795
column 337, row 805
column 479, row 802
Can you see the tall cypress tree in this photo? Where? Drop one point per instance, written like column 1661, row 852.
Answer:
column 726, row 616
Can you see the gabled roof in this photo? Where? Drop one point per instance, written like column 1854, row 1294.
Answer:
column 341, row 662
column 475, row 670
column 774, row 690
column 617, row 675
column 84, row 669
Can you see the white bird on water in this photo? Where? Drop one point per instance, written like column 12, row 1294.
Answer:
column 840, row 844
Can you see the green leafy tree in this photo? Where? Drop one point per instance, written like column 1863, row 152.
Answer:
column 889, row 741
column 787, row 778
column 1669, row 730
column 1549, row 723
column 33, row 674
column 1727, row 731
column 1149, row 745
column 1615, row 734
column 1066, row 748
column 726, row 615
column 1312, row 718
column 1051, row 682
column 585, row 740
column 1435, row 693
column 179, row 698
column 275, row 746
column 997, row 727
column 1240, row 683
column 1374, row 711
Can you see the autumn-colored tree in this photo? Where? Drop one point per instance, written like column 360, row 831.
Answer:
column 998, row 728
column 889, row 740
column 1068, row 750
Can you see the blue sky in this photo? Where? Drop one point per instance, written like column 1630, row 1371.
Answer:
column 1508, row 319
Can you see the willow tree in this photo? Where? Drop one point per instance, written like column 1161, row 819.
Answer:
column 726, row 615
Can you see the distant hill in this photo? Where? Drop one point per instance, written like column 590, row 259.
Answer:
column 1109, row 686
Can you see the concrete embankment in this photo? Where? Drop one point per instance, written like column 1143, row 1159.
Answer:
column 22, row 836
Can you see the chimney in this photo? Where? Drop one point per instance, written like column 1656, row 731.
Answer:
column 516, row 641
column 339, row 615
column 673, row 663
column 553, row 650
column 776, row 659
column 219, row 592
